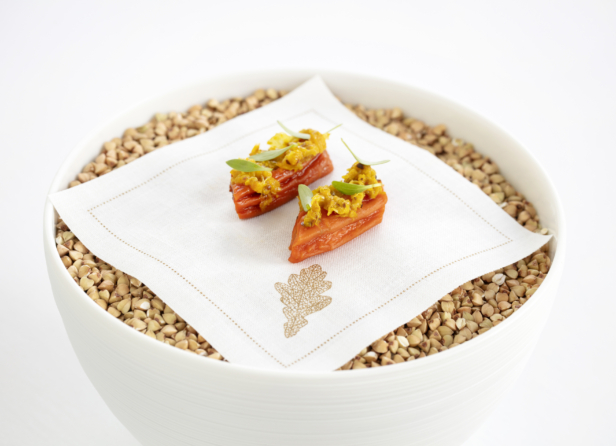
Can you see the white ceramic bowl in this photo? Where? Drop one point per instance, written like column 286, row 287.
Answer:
column 165, row 396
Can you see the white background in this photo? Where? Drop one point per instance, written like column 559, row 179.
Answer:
column 543, row 70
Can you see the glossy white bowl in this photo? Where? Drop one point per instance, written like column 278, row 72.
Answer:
column 165, row 396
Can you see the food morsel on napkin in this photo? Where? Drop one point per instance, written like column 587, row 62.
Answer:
column 169, row 220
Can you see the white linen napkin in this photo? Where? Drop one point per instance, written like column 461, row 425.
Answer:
column 169, row 220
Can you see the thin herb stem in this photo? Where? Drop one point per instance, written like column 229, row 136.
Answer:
column 292, row 133
column 365, row 163
column 331, row 130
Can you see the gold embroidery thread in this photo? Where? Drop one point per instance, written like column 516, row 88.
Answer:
column 302, row 297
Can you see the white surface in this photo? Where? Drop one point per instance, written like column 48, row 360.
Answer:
column 231, row 405
column 245, row 321
column 543, row 71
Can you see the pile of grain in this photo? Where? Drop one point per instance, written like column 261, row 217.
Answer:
column 466, row 312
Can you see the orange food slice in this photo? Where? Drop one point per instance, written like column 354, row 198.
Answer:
column 247, row 201
column 333, row 231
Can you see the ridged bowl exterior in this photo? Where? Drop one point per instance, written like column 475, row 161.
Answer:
column 165, row 396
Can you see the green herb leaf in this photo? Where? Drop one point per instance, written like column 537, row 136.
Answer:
column 305, row 196
column 365, row 163
column 246, row 166
column 292, row 133
column 352, row 189
column 270, row 154
column 331, row 130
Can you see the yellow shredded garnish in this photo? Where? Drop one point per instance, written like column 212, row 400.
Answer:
column 260, row 182
column 364, row 175
column 327, row 198
column 296, row 157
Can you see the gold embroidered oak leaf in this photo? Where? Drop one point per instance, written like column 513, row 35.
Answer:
column 302, row 296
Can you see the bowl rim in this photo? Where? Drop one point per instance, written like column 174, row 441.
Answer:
column 228, row 367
